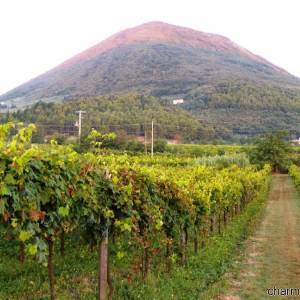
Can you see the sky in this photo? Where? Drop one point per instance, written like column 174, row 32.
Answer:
column 37, row 35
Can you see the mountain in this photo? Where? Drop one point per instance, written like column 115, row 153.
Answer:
column 221, row 82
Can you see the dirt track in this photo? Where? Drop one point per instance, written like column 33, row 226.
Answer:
column 272, row 256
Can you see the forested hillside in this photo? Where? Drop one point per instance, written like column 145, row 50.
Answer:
column 228, row 87
column 247, row 108
column 129, row 114
column 229, row 113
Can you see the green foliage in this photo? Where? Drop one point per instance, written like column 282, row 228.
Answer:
column 96, row 140
column 294, row 171
column 160, row 145
column 223, row 161
column 128, row 114
column 272, row 149
column 240, row 96
column 168, row 70
column 49, row 189
column 79, row 264
column 134, row 146
column 199, row 150
column 206, row 268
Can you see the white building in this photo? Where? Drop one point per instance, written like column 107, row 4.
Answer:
column 178, row 101
column 296, row 142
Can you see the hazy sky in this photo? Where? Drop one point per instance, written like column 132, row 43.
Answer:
column 37, row 35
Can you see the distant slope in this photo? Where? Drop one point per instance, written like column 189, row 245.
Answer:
column 221, row 82
column 128, row 114
column 156, row 58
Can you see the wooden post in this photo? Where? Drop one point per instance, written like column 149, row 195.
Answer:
column 109, row 280
column 203, row 236
column 145, row 262
column 225, row 217
column 212, row 221
column 196, row 240
column 50, row 268
column 168, row 254
column 103, row 267
column 22, row 252
column 62, row 243
column 183, row 247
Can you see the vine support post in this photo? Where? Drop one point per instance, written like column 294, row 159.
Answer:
column 168, row 254
column 204, row 234
column 62, row 243
column 109, row 280
column 196, row 242
column 212, row 223
column 22, row 252
column 146, row 262
column 184, row 239
column 50, row 268
column 219, row 222
column 232, row 209
column 225, row 217
column 103, row 291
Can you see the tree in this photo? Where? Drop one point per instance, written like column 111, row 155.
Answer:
column 160, row 145
column 271, row 149
column 96, row 140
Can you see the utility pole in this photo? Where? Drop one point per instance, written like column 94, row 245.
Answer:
column 80, row 112
column 145, row 138
column 152, row 138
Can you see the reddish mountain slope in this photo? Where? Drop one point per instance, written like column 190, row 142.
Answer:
column 159, row 32
column 154, row 58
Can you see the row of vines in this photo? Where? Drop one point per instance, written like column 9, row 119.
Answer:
column 50, row 192
column 294, row 171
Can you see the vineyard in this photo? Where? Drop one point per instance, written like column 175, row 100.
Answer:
column 294, row 171
column 132, row 216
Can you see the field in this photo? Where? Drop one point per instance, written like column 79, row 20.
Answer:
column 110, row 225
column 76, row 272
column 137, row 221
column 271, row 256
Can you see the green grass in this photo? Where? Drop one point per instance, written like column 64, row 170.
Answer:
column 271, row 255
column 203, row 150
column 201, row 279
column 76, row 274
column 29, row 281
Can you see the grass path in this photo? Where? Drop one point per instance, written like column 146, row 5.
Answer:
column 272, row 254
